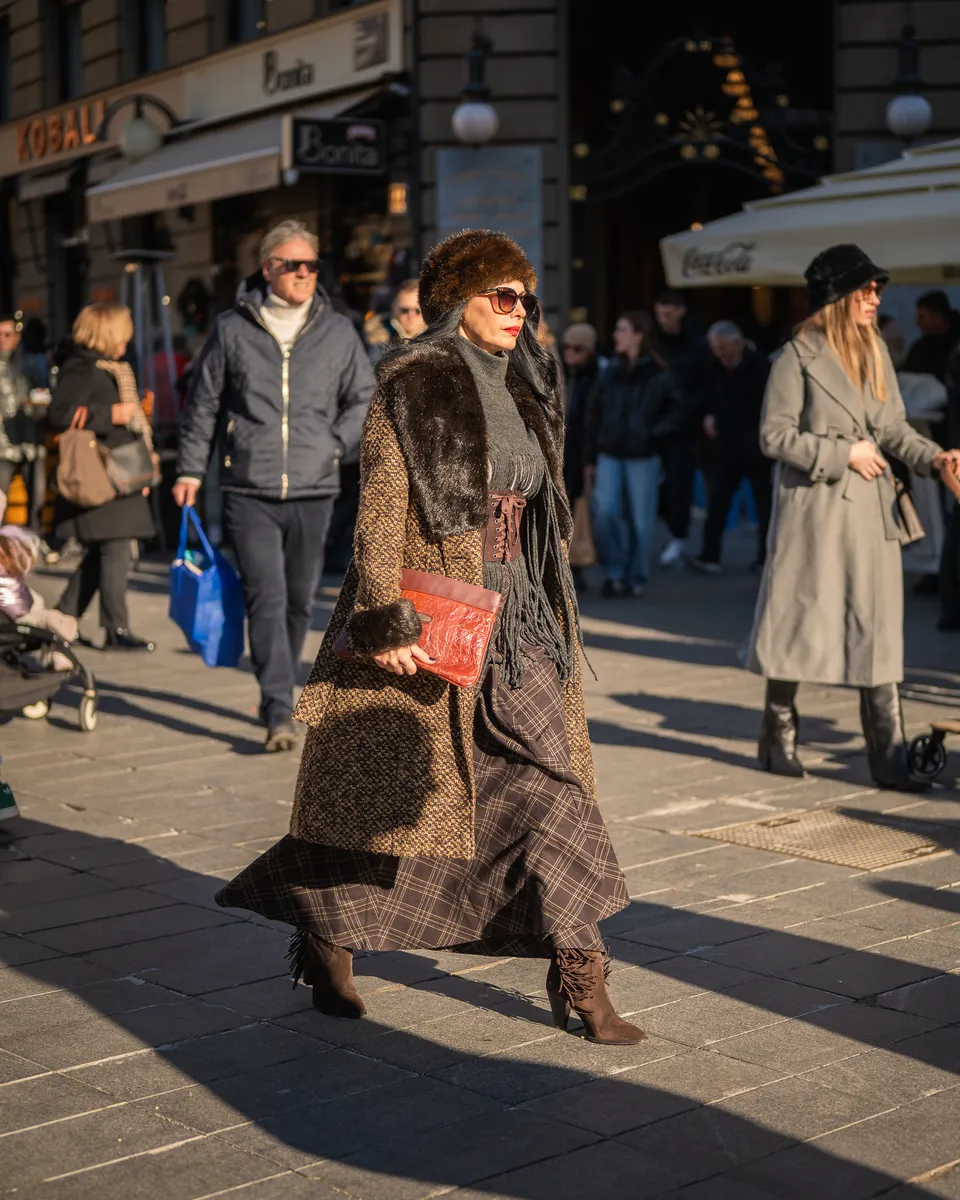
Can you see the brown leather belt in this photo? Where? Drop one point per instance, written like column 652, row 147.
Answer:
column 501, row 541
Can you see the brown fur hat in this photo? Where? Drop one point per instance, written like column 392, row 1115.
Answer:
column 467, row 263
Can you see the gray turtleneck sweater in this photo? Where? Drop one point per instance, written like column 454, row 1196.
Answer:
column 516, row 464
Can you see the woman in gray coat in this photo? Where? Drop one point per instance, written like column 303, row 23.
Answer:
column 830, row 608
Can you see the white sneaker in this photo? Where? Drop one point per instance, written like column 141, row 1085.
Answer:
column 673, row 552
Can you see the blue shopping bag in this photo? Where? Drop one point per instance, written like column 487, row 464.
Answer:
column 206, row 599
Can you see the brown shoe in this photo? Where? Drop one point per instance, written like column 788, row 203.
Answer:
column 328, row 969
column 577, row 979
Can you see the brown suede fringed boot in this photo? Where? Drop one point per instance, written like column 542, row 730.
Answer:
column 328, row 969
column 577, row 979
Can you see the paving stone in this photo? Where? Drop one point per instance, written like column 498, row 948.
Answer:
column 81, row 909
column 52, row 1009
column 201, row 960
column 89, row 1041
column 52, row 975
column 550, row 1065
column 202, row 1167
column 823, row 1037
column 890, row 1076
column 609, row 1169
column 17, row 952
column 414, row 1166
column 47, row 1152
column 311, row 1132
column 859, row 973
column 938, row 999
column 265, row 998
column 48, row 1098
column 803, row 1108
column 13, row 1067
column 163, row 919
column 647, row 1093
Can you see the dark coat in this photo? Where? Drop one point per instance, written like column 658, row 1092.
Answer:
column 580, row 390
column 929, row 353
column 688, row 356
column 423, row 505
column 288, row 416
column 634, row 410
column 735, row 401
column 80, row 383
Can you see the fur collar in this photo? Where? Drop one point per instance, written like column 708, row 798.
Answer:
column 437, row 413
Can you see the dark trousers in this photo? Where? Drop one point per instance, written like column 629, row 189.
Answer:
column 728, row 474
column 279, row 547
column 950, row 571
column 104, row 568
column 35, row 478
column 679, row 456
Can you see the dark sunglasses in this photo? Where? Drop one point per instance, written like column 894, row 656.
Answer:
column 874, row 288
column 291, row 266
column 403, row 312
column 507, row 298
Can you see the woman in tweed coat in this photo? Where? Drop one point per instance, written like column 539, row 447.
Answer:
column 426, row 815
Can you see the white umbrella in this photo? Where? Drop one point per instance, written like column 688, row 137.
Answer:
column 905, row 214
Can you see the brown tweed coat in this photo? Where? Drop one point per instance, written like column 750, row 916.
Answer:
column 387, row 762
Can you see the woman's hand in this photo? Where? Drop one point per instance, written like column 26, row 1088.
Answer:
column 122, row 414
column 949, row 459
column 866, row 460
column 403, row 661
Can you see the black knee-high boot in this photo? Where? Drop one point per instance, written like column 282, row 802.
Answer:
column 882, row 716
column 777, row 749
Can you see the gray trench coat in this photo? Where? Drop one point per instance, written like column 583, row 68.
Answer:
column 830, row 608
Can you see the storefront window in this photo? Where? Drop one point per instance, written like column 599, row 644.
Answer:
column 246, row 20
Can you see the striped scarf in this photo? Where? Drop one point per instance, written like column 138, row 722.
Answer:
column 126, row 382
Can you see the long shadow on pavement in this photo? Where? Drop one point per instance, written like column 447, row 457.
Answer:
column 483, row 1095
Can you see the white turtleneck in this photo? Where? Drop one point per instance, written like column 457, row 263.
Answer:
column 283, row 319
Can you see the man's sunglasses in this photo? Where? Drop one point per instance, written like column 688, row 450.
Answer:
column 507, row 297
column 291, row 266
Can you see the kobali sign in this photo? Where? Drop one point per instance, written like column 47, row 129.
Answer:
column 67, row 129
column 735, row 258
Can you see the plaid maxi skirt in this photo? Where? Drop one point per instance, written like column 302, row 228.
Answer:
column 543, row 875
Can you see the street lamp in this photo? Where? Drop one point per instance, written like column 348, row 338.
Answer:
column 475, row 120
column 909, row 114
column 139, row 138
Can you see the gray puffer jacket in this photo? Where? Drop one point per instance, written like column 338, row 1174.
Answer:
column 288, row 417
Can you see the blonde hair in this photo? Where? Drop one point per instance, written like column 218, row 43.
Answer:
column 103, row 327
column 857, row 346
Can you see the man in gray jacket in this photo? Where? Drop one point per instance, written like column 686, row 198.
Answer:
column 288, row 382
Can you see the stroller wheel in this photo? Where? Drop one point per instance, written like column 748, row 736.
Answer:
column 88, row 713
column 927, row 756
column 36, row 712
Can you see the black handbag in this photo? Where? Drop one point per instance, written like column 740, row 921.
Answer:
column 131, row 467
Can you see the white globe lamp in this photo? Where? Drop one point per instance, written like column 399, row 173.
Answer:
column 140, row 138
column 909, row 116
column 475, row 122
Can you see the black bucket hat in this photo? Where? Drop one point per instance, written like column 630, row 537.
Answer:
column 838, row 271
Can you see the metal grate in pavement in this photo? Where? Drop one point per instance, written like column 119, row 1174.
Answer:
column 846, row 837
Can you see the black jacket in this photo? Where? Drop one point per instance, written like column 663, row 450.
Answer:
column 928, row 355
column 287, row 418
column 81, row 384
column 688, row 356
column 633, row 410
column 580, row 387
column 735, row 400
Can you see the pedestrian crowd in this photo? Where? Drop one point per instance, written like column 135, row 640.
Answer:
column 446, row 796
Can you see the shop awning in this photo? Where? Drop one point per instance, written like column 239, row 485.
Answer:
column 194, row 168
column 905, row 214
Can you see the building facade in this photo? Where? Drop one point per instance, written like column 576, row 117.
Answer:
column 333, row 111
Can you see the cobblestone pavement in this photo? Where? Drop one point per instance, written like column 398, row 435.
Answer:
column 802, row 1017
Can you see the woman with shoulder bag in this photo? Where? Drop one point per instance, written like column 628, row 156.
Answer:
column 830, row 608
column 91, row 377
column 428, row 815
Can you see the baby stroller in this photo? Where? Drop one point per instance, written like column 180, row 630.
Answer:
column 27, row 687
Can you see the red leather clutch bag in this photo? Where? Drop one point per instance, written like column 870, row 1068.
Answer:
column 458, row 633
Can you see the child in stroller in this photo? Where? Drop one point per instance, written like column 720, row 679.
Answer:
column 36, row 654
